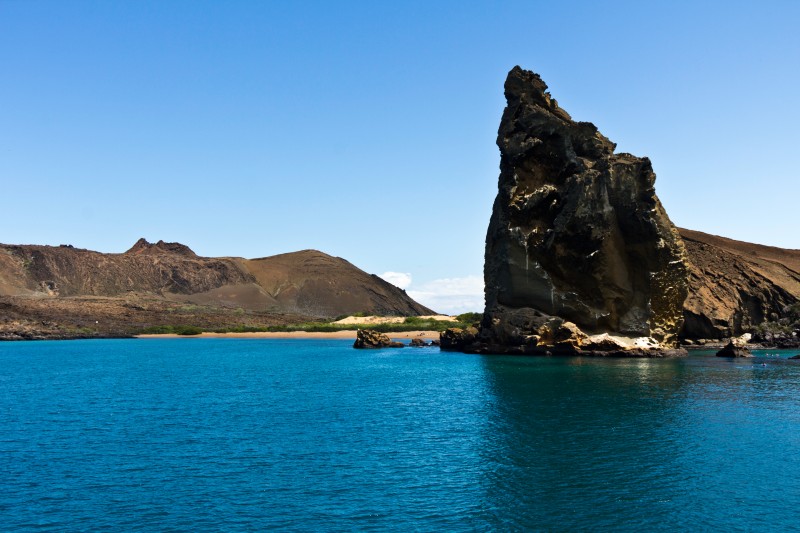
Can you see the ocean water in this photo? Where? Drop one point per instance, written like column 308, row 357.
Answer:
column 308, row 435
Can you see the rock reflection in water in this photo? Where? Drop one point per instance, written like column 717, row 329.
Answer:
column 592, row 443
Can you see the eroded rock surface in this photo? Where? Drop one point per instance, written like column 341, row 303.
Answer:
column 577, row 232
column 735, row 285
column 737, row 347
column 457, row 339
column 367, row 338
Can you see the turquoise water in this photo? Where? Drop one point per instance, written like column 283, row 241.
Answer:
column 247, row 435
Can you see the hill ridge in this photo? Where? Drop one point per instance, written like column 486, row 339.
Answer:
column 305, row 284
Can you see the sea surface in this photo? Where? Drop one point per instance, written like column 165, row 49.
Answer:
column 312, row 435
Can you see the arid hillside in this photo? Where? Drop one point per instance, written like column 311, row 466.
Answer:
column 313, row 283
column 167, row 283
column 734, row 285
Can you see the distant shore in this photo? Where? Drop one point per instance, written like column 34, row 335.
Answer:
column 344, row 334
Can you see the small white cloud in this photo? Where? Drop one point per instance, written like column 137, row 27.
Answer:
column 451, row 295
column 398, row 279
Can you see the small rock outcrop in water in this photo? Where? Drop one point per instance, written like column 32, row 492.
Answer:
column 578, row 233
column 737, row 347
column 457, row 339
column 367, row 338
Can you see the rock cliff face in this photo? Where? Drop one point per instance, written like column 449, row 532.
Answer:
column 577, row 232
column 736, row 285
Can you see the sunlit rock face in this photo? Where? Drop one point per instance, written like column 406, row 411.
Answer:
column 577, row 231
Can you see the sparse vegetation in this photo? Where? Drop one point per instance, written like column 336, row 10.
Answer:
column 81, row 331
column 470, row 318
column 782, row 329
column 188, row 308
column 173, row 330
column 412, row 323
column 241, row 328
column 793, row 313
column 426, row 324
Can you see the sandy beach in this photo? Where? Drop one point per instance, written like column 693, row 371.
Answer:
column 346, row 334
column 391, row 319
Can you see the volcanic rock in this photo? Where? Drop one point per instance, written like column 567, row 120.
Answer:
column 737, row 347
column 367, row 338
column 577, row 232
column 603, row 343
column 457, row 339
column 787, row 342
column 416, row 342
column 735, row 285
column 143, row 247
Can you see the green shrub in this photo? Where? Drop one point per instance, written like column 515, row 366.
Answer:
column 769, row 330
column 188, row 330
column 413, row 323
column 158, row 330
column 793, row 313
column 241, row 328
column 470, row 318
column 166, row 329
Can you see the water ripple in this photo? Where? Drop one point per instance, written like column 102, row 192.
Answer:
column 312, row 435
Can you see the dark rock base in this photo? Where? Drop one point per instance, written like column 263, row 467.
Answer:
column 367, row 338
column 635, row 353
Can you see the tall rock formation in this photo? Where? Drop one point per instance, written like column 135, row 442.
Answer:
column 577, row 232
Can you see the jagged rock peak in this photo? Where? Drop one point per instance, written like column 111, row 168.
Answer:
column 142, row 246
column 524, row 85
column 577, row 232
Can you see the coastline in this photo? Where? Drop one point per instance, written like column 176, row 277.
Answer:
column 344, row 334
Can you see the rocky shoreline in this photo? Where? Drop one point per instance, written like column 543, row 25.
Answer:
column 451, row 340
column 18, row 335
column 61, row 318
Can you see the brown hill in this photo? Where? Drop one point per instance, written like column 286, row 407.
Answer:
column 167, row 283
column 734, row 285
column 165, row 270
column 313, row 283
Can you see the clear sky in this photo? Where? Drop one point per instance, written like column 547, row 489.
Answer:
column 367, row 129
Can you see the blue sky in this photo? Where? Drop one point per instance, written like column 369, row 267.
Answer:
column 367, row 129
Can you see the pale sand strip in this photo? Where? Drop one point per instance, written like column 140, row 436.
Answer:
column 390, row 319
column 347, row 334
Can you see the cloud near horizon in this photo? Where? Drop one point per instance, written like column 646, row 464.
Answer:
column 451, row 296
column 399, row 279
